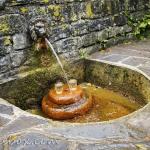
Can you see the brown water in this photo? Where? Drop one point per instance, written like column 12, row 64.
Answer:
column 107, row 105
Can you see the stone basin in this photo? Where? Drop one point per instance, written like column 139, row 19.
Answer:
column 128, row 132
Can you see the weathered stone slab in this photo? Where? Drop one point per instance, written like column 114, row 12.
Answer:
column 5, row 109
column 142, row 46
column 3, row 121
column 146, row 70
column 106, row 147
column 110, row 131
column 22, row 123
column 101, row 54
column 114, row 58
column 135, row 61
column 32, row 141
column 127, row 50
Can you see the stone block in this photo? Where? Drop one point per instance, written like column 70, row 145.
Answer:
column 70, row 12
column 91, row 49
column 60, row 32
column 17, row 58
column 20, row 41
column 89, row 39
column 120, row 20
column 79, row 28
column 67, row 45
column 5, row 45
column 4, row 64
column 2, row 4
column 117, row 31
column 11, row 24
column 96, row 25
column 102, row 35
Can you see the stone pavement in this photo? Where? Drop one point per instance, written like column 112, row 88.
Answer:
column 22, row 130
column 134, row 55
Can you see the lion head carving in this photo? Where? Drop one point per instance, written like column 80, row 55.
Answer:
column 38, row 28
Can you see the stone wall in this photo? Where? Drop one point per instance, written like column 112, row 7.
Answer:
column 77, row 26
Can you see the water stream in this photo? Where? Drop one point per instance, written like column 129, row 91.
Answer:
column 58, row 59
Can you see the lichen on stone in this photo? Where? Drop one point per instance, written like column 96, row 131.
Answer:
column 89, row 11
column 56, row 9
column 7, row 41
column 24, row 10
column 4, row 26
column 45, row 1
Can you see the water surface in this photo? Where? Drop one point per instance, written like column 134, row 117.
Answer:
column 107, row 105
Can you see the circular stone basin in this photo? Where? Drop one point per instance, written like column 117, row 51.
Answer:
column 66, row 105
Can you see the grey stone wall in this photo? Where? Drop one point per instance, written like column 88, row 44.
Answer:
column 77, row 26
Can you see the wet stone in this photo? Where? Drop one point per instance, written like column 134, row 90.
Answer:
column 32, row 141
column 22, row 123
column 4, row 109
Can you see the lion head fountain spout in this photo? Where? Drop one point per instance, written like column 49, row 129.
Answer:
column 38, row 28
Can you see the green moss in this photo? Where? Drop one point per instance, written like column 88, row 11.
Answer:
column 35, row 82
column 120, row 79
